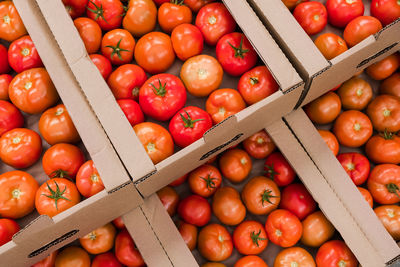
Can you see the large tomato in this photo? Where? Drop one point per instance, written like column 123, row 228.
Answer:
column 215, row 243
column 335, row 253
column 384, row 183
column 17, row 194
column 107, row 259
column 195, row 210
column 312, row 16
column 5, row 80
column 355, row 93
column 126, row 80
column 99, row 240
column 356, row 165
column 88, row 180
column 330, row 140
column 7, row 229
column 367, row 196
column 107, row 13
column 103, row 64
column 250, row 238
column 296, row 199
column 169, row 198
column 90, row 33
column 341, row 12
column 249, row 261
column 20, row 147
column 259, row 145
column 324, row 109
column 227, row 206
column 216, row 264
column 118, row 46
column 205, row 180
column 195, row 5
column 330, row 45
column 10, row 117
column 360, row 28
column 187, row 41
column 132, row 111
column 49, row 261
column 391, row 85
column 383, row 148
column 75, row 8
column 4, row 65
column 223, row 103
column 386, row 11
column 384, row 112
column 173, row 14
column 73, row 256
column 389, row 215
column 189, row 234
column 283, row 228
column 278, row 169
column 140, row 18
column 11, row 25
column 316, row 229
column 295, row 256
column 235, row 164
column 383, row 68
column 126, row 251
column 22, row 55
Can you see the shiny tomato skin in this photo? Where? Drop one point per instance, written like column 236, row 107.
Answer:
column 126, row 80
column 389, row 215
column 356, row 165
column 195, row 210
column 187, row 41
column 99, row 240
column 49, row 261
column 250, row 238
column 195, row 5
column 330, row 45
column 215, row 243
column 90, row 33
column 205, row 180
column 294, row 256
column 386, row 11
column 259, row 145
column 384, row 68
column 8, row 228
column 250, row 261
column 118, row 46
column 283, row 228
column 11, row 25
column 223, row 103
column 227, row 206
column 324, row 109
column 22, row 55
column 384, row 183
column 330, row 140
column 390, row 86
column 132, row 111
column 278, row 169
column 5, row 80
column 4, row 64
column 140, row 18
column 296, row 199
column 107, row 259
column 341, row 12
column 384, row 112
column 383, row 148
column 107, row 13
column 335, row 253
column 73, row 256
column 88, row 180
column 119, row 223
column 173, row 14
column 367, row 196
column 10, row 117
column 316, row 229
column 235, row 164
column 355, row 93
column 189, row 234
column 360, row 28
column 103, row 64
column 169, row 198
column 179, row 181
column 126, row 251
column 75, row 8
column 312, row 16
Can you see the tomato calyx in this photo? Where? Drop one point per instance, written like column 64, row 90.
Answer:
column 59, row 174
column 350, row 166
column 161, row 90
column 294, row 264
column 254, row 80
column 239, row 51
column 189, row 122
column 386, row 112
column 393, row 188
column 56, row 195
column 342, row 263
column 117, row 49
column 92, row 236
column 209, row 182
column 177, row 2
column 387, row 135
column 6, row 19
column 99, row 11
column 270, row 171
column 25, row 51
column 16, row 193
column 94, row 178
column 266, row 196
column 256, row 237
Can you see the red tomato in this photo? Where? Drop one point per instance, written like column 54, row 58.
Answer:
column 195, row 210
column 235, row 164
column 330, row 45
column 335, row 253
column 187, row 41
column 294, row 256
column 384, row 183
column 160, row 2
column 214, row 21
column 341, row 12
column 386, row 11
column 291, row 4
column 215, row 243
column 75, row 8
column 7, row 229
column 384, row 68
column 356, row 165
column 173, row 14
column 223, row 103
column 49, row 261
column 88, row 180
column 296, row 199
column 141, row 17
column 126, row 251
column 250, row 261
column 107, row 13
column 278, row 169
column 383, row 148
column 11, row 25
column 360, row 28
column 132, row 111
column 205, row 180
column 384, row 112
column 367, row 196
column 5, row 80
column 103, row 65
column 259, row 145
column 161, row 96
column 169, row 198
column 283, row 228
column 107, row 259
column 189, row 234
column 312, row 17
column 195, row 5
column 119, row 223
column 250, row 238
column 330, row 140
column 90, row 33
column 179, row 181
column 118, row 46
column 10, row 117
column 4, row 65
column 126, row 80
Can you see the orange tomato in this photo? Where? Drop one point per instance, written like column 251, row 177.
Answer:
column 250, row 261
column 90, row 33
column 335, row 253
column 389, row 215
column 49, row 261
column 391, row 86
column 250, row 238
column 316, row 229
column 187, row 41
column 355, row 93
column 384, row 112
column 330, row 45
column 100, row 240
column 173, row 14
column 360, row 28
column 215, row 243
column 205, row 180
column 88, row 180
column 223, row 103
column 118, row 46
column 283, row 228
column 384, row 183
column 227, row 206
column 294, row 256
column 189, row 234
column 169, row 198
column 11, row 25
column 324, row 109
column 235, row 165
column 367, row 196
column 73, row 257
column 140, row 18
column 259, row 145
column 291, row 4
column 5, row 80
column 384, row 68
column 330, row 140
column 195, row 5
column 383, row 148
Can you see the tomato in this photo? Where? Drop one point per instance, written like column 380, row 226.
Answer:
column 90, row 33
column 155, row 139
column 189, row 234
column 5, row 80
column 49, row 261
column 179, row 181
column 223, row 103
column 390, row 86
column 154, row 52
column 355, row 93
column 55, row 196
column 119, row 223
column 261, row 195
column 278, row 169
column 88, row 180
column 160, row 2
column 22, row 55
column 317, row 229
column 352, row 128
column 10, row 117
column 72, row 257
column 296, row 199
column 126, row 80
column 386, row 11
column 250, row 261
column 360, row 28
column 214, row 21
column 140, row 18
column 330, row 140
column 213, row 264
column 341, row 12
column 389, row 215
column 383, row 68
column 295, row 256
column 11, row 25
column 259, row 145
column 75, row 8
column 356, row 165
column 384, row 112
column 195, row 210
column 205, row 180
column 126, row 251
column 7, row 229
column 169, row 198
column 335, row 253
column 330, row 45
column 4, row 65
column 106, row 260
column 312, row 17
column 118, row 46
column 324, row 109
column 56, row 126
column 62, row 160
column 215, row 243
column 173, row 14
column 99, row 240
column 250, row 238
column 187, row 41
column 384, row 148
column 195, row 5
column 107, row 13
column 235, row 165
column 132, row 111
column 188, row 125
column 367, row 196
column 20, row 148
column 103, row 65
column 291, row 4
column 32, row 91
column 227, row 206
column 283, row 228
column 384, row 182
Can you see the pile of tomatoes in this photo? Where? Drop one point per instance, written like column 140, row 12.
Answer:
column 365, row 112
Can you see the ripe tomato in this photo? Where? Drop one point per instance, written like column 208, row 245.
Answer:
column 118, row 46
column 390, row 86
column 341, row 12
column 126, row 80
column 205, row 180
column 90, row 33
column 227, row 206
column 32, row 91
column 291, row 4
column 383, row 148
column 330, row 140
column 384, row 112
column 140, row 18
column 126, row 251
column 4, row 65
column 283, row 228
column 235, row 165
column 169, row 198
column 103, row 65
column 386, row 11
column 250, row 261
column 214, row 21
column 201, row 75
column 215, row 243
column 154, row 52
column 11, row 25
column 223, row 103
column 195, row 210
column 335, row 253
column 179, row 181
column 384, row 68
column 187, row 41
column 360, row 28
column 250, row 238
column 330, row 45
column 312, row 17
column 356, row 165
column 75, row 8
column 88, row 180
column 56, row 126
column 259, row 145
column 55, row 196
column 324, row 109
column 195, row 5
column 384, row 182
column 106, row 260
column 22, row 55
column 215, row 264
column 188, row 125
column 20, row 147
column 107, row 13
column 261, row 195
column 155, row 139
column 62, row 160
column 73, row 256
column 278, row 169
column 316, row 229
column 161, row 96
column 7, row 229
column 295, row 256
column 173, row 14
column 367, row 196
column 132, row 111
column 119, row 223
column 189, row 234
column 296, row 199
column 99, row 240
column 389, row 215
column 10, row 117
column 355, row 93
column 5, row 80
column 352, row 128
column 160, row 2
column 49, row 261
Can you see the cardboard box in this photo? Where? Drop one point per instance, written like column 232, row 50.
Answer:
column 320, row 74
column 147, row 176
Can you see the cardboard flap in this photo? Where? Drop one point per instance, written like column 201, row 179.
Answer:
column 40, row 223
column 220, row 130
